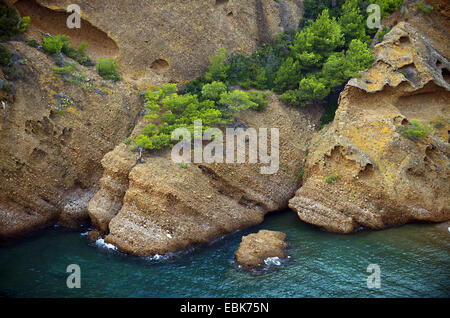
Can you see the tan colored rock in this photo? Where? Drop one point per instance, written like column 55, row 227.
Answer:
column 167, row 208
column 94, row 235
column 385, row 179
column 256, row 248
column 49, row 162
column 162, row 41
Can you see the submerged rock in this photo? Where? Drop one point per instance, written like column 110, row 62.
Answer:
column 262, row 248
column 94, row 235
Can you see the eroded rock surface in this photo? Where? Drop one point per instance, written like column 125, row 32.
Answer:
column 158, row 206
column 255, row 249
column 49, row 161
column 384, row 178
column 162, row 41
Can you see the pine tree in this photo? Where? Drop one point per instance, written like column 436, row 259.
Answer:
column 352, row 22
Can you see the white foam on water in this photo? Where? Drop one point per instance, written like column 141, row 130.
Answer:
column 84, row 233
column 273, row 261
column 155, row 257
column 101, row 243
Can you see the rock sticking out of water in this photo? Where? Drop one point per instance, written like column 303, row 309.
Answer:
column 262, row 248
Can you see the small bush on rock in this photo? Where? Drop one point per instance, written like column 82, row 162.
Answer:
column 414, row 130
column 107, row 68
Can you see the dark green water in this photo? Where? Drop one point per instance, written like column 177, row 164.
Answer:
column 414, row 262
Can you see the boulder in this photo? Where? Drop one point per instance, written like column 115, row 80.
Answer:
column 258, row 249
column 94, row 235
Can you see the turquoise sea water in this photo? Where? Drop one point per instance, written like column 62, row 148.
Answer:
column 414, row 262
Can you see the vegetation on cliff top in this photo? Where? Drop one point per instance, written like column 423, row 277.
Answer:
column 215, row 106
column 414, row 130
column 10, row 23
column 304, row 67
column 60, row 44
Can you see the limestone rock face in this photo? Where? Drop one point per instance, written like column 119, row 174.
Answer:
column 166, row 40
column 258, row 247
column 50, row 162
column 381, row 177
column 158, row 206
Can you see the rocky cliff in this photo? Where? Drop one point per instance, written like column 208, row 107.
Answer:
column 362, row 171
column 50, row 161
column 61, row 146
column 162, row 41
column 55, row 133
column 159, row 206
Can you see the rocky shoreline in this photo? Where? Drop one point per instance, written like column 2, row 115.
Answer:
column 358, row 171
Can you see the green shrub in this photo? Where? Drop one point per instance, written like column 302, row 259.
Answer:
column 259, row 98
column 352, row 22
column 5, row 56
column 170, row 111
column 82, row 49
column 214, row 90
column 388, row 6
column 13, row 73
column 33, row 43
column 127, row 141
column 65, row 70
column 218, row 69
column 10, row 23
column 67, row 48
column 332, row 178
column 382, row 33
column 60, row 44
column 414, row 130
column 107, row 68
column 53, row 44
column 85, row 61
column 82, row 58
column 236, row 100
column 23, row 25
column 7, row 88
column 9, row 19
